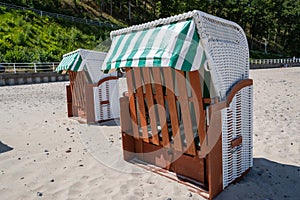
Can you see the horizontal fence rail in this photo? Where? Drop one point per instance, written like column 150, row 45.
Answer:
column 275, row 61
column 61, row 16
column 51, row 66
column 28, row 67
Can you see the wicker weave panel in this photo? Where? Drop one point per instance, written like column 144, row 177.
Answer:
column 105, row 93
column 237, row 121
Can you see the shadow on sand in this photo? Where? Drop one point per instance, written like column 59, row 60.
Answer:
column 267, row 180
column 112, row 122
column 4, row 148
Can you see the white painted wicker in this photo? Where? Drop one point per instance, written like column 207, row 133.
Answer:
column 106, row 92
column 92, row 61
column 237, row 121
column 228, row 59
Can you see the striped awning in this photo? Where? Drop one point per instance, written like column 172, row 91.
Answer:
column 71, row 61
column 176, row 44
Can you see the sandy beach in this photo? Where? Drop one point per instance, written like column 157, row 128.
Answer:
column 45, row 155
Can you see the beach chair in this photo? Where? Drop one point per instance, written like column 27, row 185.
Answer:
column 89, row 94
column 187, row 114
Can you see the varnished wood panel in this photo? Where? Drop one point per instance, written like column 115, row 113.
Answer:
column 198, row 103
column 170, row 92
column 150, row 102
column 161, row 103
column 185, row 111
column 141, row 104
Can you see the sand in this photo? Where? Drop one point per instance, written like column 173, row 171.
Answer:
column 45, row 155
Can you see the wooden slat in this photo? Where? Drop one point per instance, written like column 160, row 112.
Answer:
column 79, row 90
column 236, row 142
column 89, row 108
column 150, row 102
column 141, row 103
column 76, row 86
column 172, row 108
column 81, row 93
column 206, row 101
column 214, row 130
column 132, row 107
column 160, row 101
column 73, row 76
column 198, row 104
column 185, row 111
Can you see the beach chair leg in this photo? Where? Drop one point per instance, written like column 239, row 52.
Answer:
column 69, row 101
column 214, row 169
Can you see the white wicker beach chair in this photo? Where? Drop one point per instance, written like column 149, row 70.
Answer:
column 89, row 93
column 189, row 104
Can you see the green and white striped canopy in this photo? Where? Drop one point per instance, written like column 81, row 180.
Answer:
column 176, row 44
column 89, row 61
column 71, row 61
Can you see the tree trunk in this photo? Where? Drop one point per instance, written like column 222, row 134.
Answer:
column 154, row 8
column 129, row 10
column 145, row 8
column 285, row 33
column 121, row 6
column 111, row 7
column 101, row 6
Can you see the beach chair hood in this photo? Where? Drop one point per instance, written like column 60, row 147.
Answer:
column 83, row 60
column 188, row 42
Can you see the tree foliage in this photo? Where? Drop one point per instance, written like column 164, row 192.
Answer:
column 28, row 37
column 275, row 22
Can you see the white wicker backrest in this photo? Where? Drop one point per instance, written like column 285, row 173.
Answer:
column 228, row 58
column 93, row 61
column 227, row 50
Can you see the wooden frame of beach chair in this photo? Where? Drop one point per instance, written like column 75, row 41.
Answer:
column 85, row 99
column 190, row 149
column 188, row 110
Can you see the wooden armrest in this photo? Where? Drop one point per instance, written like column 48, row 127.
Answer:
column 237, row 87
column 214, row 131
column 107, row 79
